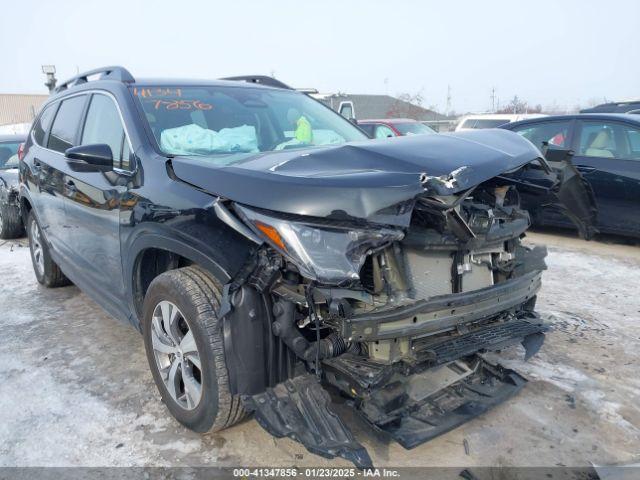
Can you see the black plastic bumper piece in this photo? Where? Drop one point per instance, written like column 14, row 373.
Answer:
column 492, row 337
column 299, row 409
column 411, row 425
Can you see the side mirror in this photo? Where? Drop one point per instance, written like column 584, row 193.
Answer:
column 96, row 157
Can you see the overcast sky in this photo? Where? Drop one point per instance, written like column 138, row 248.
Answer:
column 562, row 52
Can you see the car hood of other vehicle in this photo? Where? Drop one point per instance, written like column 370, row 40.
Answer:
column 9, row 177
column 364, row 180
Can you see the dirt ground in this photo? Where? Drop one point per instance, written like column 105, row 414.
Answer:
column 75, row 389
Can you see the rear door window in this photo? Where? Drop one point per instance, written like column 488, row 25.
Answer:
column 605, row 139
column 43, row 123
column 65, row 126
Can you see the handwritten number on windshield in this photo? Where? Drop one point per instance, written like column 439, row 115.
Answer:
column 182, row 105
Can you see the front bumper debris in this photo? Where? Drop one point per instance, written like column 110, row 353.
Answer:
column 449, row 383
column 299, row 409
column 431, row 403
column 444, row 312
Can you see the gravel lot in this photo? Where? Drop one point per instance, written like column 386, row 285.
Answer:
column 76, row 389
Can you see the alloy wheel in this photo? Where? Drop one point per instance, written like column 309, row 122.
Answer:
column 176, row 354
column 36, row 248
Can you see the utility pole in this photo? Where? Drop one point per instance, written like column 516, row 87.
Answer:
column 50, row 72
column 493, row 99
column 448, row 109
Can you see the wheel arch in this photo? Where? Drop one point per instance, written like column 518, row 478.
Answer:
column 154, row 252
column 25, row 208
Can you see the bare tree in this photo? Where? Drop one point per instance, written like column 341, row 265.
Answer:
column 407, row 105
column 516, row 105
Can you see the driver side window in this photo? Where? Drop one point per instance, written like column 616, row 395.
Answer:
column 103, row 125
column 556, row 134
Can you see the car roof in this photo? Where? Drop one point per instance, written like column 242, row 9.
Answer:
column 161, row 82
column 13, row 138
column 628, row 117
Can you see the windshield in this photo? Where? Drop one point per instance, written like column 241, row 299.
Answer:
column 9, row 155
column 224, row 120
column 411, row 128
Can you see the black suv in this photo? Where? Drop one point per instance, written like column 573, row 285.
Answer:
column 266, row 248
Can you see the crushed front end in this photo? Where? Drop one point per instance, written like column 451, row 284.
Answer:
column 394, row 316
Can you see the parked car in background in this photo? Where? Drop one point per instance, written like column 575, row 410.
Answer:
column 606, row 150
column 266, row 252
column 632, row 106
column 394, row 127
column 10, row 220
column 476, row 122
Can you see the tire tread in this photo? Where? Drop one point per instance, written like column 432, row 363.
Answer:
column 205, row 290
column 11, row 222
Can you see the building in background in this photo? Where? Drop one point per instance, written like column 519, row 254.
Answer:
column 355, row 106
column 17, row 111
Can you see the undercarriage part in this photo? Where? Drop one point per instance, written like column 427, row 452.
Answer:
column 389, row 351
column 285, row 328
column 417, row 408
column 299, row 409
column 356, row 375
column 256, row 359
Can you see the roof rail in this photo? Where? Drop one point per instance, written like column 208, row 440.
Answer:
column 259, row 79
column 106, row 73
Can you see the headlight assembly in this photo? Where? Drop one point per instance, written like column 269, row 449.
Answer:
column 322, row 252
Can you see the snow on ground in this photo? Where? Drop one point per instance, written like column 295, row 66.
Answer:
column 75, row 387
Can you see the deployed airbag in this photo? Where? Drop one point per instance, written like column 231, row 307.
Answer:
column 193, row 139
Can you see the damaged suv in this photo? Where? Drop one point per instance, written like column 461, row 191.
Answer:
column 267, row 250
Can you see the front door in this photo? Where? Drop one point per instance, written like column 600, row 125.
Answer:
column 607, row 153
column 93, row 201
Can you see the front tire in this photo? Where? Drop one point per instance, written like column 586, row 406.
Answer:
column 184, row 346
column 10, row 222
column 47, row 271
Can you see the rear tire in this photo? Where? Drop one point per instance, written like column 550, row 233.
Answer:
column 10, row 222
column 184, row 346
column 47, row 271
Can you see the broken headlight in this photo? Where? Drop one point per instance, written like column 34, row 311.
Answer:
column 323, row 252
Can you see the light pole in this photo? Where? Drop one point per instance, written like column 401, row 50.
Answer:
column 50, row 72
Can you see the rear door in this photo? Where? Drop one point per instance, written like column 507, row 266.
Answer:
column 93, row 200
column 607, row 153
column 50, row 164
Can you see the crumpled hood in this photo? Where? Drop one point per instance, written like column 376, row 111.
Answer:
column 363, row 180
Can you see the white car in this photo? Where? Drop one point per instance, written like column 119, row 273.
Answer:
column 474, row 122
